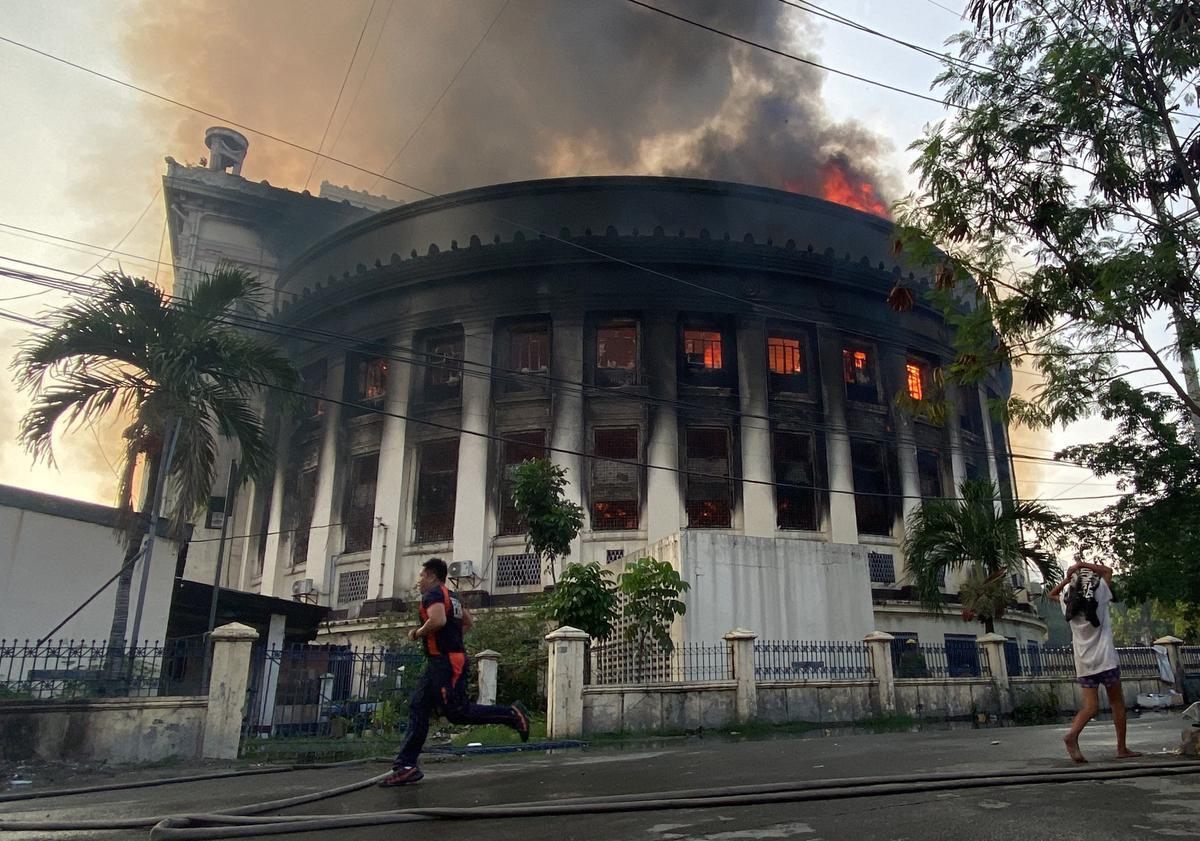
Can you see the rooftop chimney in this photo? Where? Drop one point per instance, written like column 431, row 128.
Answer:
column 227, row 149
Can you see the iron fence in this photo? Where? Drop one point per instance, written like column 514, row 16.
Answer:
column 1189, row 658
column 952, row 659
column 328, row 690
column 1047, row 662
column 74, row 669
column 1138, row 662
column 802, row 660
column 616, row 663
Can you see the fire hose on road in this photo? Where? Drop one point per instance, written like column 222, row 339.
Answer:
column 250, row 820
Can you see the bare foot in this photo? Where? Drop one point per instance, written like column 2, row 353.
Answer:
column 1072, row 743
column 1125, row 753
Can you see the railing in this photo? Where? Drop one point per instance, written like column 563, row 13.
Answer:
column 1047, row 662
column 75, row 669
column 311, row 690
column 953, row 659
column 616, row 663
column 1189, row 657
column 799, row 660
column 1138, row 662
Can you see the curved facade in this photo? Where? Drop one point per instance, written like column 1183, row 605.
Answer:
column 700, row 356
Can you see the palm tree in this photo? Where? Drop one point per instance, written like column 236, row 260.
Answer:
column 982, row 537
column 177, row 367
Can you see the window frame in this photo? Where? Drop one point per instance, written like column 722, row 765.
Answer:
column 421, row 488
column 352, row 528
column 616, row 376
column 724, row 519
column 632, row 519
column 442, row 378
column 866, row 500
column 785, row 494
column 508, row 522
column 690, row 374
column 861, row 392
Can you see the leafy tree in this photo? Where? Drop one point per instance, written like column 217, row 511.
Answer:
column 976, row 534
column 551, row 520
column 1067, row 185
column 651, row 590
column 171, row 366
column 518, row 636
column 585, row 597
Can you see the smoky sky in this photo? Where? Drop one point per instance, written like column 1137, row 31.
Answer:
column 558, row 88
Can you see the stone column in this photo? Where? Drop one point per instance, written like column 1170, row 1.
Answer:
column 879, row 644
column 272, row 563
column 758, row 498
column 993, row 646
column 488, row 663
column 471, row 525
column 324, row 539
column 993, row 472
column 663, row 487
column 227, row 690
column 906, row 440
column 390, row 537
column 1173, row 645
column 269, row 685
column 567, row 434
column 958, row 463
column 843, row 526
column 564, row 683
column 741, row 649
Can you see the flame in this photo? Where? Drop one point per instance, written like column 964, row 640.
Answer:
column 836, row 187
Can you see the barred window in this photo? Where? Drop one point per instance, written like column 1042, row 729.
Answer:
column 785, row 356
column 358, row 512
column 520, row 570
column 882, row 567
column 871, row 488
column 371, row 380
column 795, row 477
column 529, row 349
column 617, row 353
column 916, row 377
column 929, row 474
column 702, row 349
column 858, row 371
column 443, row 371
column 352, row 586
column 616, row 486
column 709, row 501
column 516, row 448
column 306, row 501
column 437, row 478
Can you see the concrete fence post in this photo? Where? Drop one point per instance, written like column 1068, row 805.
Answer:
column 227, row 690
column 741, row 650
column 879, row 644
column 993, row 646
column 564, row 683
column 488, row 664
column 1173, row 645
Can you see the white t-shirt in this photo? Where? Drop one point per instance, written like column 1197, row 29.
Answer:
column 1093, row 647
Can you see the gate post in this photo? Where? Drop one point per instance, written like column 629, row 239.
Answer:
column 227, row 690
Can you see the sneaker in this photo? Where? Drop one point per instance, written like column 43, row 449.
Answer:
column 523, row 719
column 402, row 775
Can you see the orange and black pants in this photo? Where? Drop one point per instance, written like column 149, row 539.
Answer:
column 443, row 689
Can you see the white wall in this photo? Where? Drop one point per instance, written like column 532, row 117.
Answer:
column 50, row 563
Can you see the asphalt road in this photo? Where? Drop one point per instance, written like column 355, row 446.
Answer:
column 1096, row 810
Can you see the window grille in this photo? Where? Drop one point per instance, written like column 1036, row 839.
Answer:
column 617, row 353
column 795, row 488
column 709, row 495
column 702, row 349
column 611, row 555
column 359, row 511
column 516, row 448
column 914, row 375
column 858, row 371
column 882, row 566
column 443, row 372
column 529, row 349
column 871, row 488
column 306, row 501
column 352, row 586
column 518, row 570
column 929, row 474
column 785, row 356
column 436, row 487
column 616, row 486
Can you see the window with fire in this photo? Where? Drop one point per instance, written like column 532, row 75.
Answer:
column 786, row 363
column 366, row 383
column 872, row 488
column 616, row 479
column 358, row 511
column 437, row 479
column 514, row 449
column 795, row 482
column 709, row 497
column 858, row 372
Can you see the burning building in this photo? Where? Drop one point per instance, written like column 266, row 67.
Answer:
column 714, row 364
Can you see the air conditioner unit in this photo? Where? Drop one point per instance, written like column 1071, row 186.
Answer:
column 303, row 587
column 1035, row 588
column 695, row 359
column 462, row 569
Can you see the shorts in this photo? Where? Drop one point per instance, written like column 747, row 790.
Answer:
column 1109, row 677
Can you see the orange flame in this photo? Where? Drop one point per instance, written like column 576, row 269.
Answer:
column 836, row 187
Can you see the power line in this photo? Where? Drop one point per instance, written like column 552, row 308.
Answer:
column 366, row 71
column 341, row 90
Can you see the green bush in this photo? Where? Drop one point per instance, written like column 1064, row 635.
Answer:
column 518, row 637
column 1036, row 707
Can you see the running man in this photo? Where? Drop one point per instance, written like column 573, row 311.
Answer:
column 1085, row 593
column 443, row 687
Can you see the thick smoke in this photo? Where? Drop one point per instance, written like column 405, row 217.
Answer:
column 559, row 87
